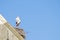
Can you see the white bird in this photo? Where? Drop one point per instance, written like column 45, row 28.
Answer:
column 18, row 21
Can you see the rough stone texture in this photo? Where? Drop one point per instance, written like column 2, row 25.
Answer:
column 3, row 33
column 6, row 34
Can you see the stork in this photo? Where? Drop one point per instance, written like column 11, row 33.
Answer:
column 18, row 21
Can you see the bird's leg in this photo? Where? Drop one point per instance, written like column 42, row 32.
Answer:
column 16, row 24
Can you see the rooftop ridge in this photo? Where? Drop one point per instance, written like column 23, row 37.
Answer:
column 2, row 19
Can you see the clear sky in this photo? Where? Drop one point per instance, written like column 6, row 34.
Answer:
column 39, row 18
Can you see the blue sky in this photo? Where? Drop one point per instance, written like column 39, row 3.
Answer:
column 39, row 18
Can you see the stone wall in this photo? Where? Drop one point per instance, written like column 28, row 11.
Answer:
column 6, row 34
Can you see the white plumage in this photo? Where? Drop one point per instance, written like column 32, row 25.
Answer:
column 18, row 21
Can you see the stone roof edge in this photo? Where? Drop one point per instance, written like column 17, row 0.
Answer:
column 2, row 19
